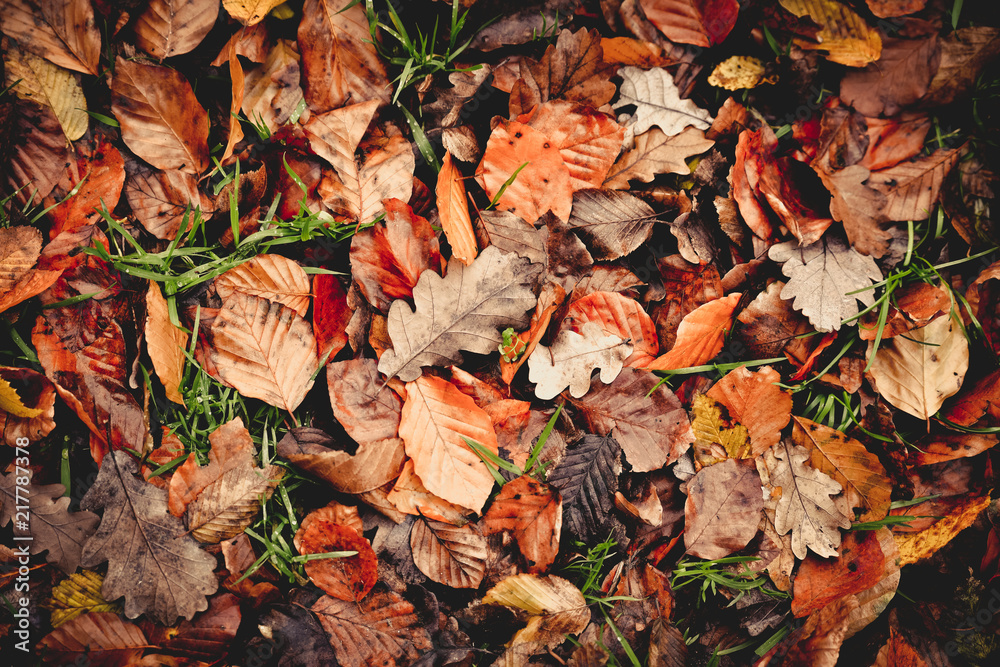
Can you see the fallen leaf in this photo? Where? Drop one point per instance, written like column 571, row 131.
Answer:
column 873, row 600
column 272, row 277
column 612, row 224
column 571, row 358
column 913, row 306
column 50, row 525
column 450, row 555
column 658, row 102
column 160, row 200
column 449, row 106
column 249, row 12
column 914, row 547
column 161, row 119
column 370, row 467
column 462, row 311
column 165, row 343
column 100, row 638
column 368, row 410
column 912, row 187
column 917, row 372
column 454, row 211
column 347, row 577
column 700, row 335
column 899, row 78
column 39, row 152
column 866, row 485
column 754, row 400
column 858, row 566
column 331, row 315
column 436, row 417
column 656, row 153
column 644, row 416
column 723, row 509
column 264, row 349
column 587, row 479
column 531, row 512
column 79, row 593
column 49, row 85
column 738, row 73
column 619, row 316
column 712, row 429
column 510, row 233
column 843, row 36
column 358, row 189
column 965, row 53
column 410, row 496
column 271, row 92
column 64, row 33
column 159, row 569
column 810, row 506
column 822, row 277
column 171, row 27
column 35, row 399
column 554, row 606
column 698, row 22
column 818, row 642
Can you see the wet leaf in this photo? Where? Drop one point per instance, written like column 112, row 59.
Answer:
column 587, row 479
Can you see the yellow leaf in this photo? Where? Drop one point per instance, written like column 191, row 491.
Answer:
column 11, row 403
column 166, row 344
column 737, row 72
column 710, row 427
column 843, row 35
column 78, row 594
column 454, row 211
column 914, row 547
column 51, row 86
column 249, row 12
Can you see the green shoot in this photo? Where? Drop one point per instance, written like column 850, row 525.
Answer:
column 713, row 574
column 506, row 184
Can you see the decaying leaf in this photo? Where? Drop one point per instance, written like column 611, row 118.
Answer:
column 918, row 371
column 532, row 512
column 657, row 153
column 859, row 565
column 810, row 504
column 371, row 466
column 367, row 409
column 161, row 199
column 100, row 637
column 64, row 33
column 465, row 310
column 658, row 102
column 712, row 430
column 271, row 91
column 723, row 509
column 450, row 555
column 171, row 27
column 612, row 224
column 571, row 359
column 822, row 277
column 347, row 577
column 159, row 569
column 587, row 479
column 79, row 593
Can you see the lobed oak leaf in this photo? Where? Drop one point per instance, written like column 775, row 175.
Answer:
column 339, row 61
column 159, row 569
column 454, row 212
column 587, row 479
column 160, row 200
column 63, row 32
column 723, row 509
column 435, row 420
column 657, row 101
column 656, row 153
column 271, row 91
column 264, row 349
column 346, row 577
column 51, row 86
column 50, row 525
column 100, row 638
column 755, row 402
column 572, row 357
column 700, row 335
column 644, row 416
column 462, row 311
column 532, row 512
column 616, row 315
column 450, row 555
column 612, row 224
column 172, row 27
column 810, row 505
column 373, row 465
column 165, row 343
column 917, row 372
column 697, row 22
column 380, row 629
column 843, row 36
column 272, row 277
column 249, row 12
column 822, row 277
column 859, row 472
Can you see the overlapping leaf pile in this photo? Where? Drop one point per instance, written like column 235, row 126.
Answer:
column 507, row 367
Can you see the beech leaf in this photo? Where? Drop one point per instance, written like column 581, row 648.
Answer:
column 77, row 594
column 166, row 344
column 49, row 85
column 698, row 22
column 65, row 33
column 911, row 188
column 587, row 479
column 271, row 91
column 723, row 509
column 454, row 211
column 700, row 334
column 450, row 555
column 100, row 637
column 171, row 27
column 159, row 569
column 465, row 310
column 612, row 224
column 345, row 578
column 374, row 463
column 532, row 512
column 843, row 36
column 658, row 102
column 572, row 357
column 272, row 277
column 754, row 400
column 160, row 199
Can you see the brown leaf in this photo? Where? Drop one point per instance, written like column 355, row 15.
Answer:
column 249, row 12
column 272, row 277
column 454, row 212
column 899, row 78
column 166, row 344
column 754, row 401
column 860, row 207
column 271, row 92
column 161, row 119
column 616, row 315
column 698, row 22
column 50, row 524
column 345, row 578
column 722, row 511
column 700, row 335
column 171, row 27
column 649, row 424
column 913, row 306
column 264, row 349
column 63, row 32
column 38, row 154
column 367, row 410
column 543, row 184
column 818, row 642
column 448, row 108
column 859, row 566
column 866, row 485
column 508, row 232
column 160, row 199
column 612, row 224
column 151, row 561
column 371, row 466
column 555, row 608
column 378, row 630
column 965, row 53
column 656, row 153
column 897, row 652
column 37, row 396
column 892, row 140
column 339, row 61
column 911, row 188
column 937, row 448
column 237, row 81
column 231, row 447
column 52, row 86
column 101, row 638
column 359, row 189
column 532, row 512
column 435, row 418
column 449, row 555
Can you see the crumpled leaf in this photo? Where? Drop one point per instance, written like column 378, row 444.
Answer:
column 272, row 277
column 698, row 22
column 554, row 606
column 171, row 27
column 810, row 505
column 99, row 638
column 616, row 315
column 50, row 524
column 650, row 424
column 450, row 555
column 159, row 569
column 532, row 512
column 821, row 277
column 79, row 593
column 571, row 358
column 755, row 402
column 64, row 32
column 843, row 36
column 658, row 102
column 465, row 310
column 380, row 629
column 723, row 509
column 918, row 371
column 436, row 417
column 657, row 153
column 264, row 349
column 738, row 73
column 49, row 85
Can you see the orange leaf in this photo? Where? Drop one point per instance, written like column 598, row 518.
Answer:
column 410, row 496
column 532, row 512
column 347, row 578
column 99, row 638
column 754, row 401
column 436, row 416
column 698, row 22
column 272, row 277
column 620, row 316
column 454, row 212
column 371, row 466
column 231, row 447
column 63, row 32
column 700, row 335
column 165, row 343
column 171, row 27
column 819, row 581
column 238, row 81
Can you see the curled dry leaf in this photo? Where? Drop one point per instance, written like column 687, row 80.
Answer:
column 450, row 555
column 165, row 343
column 454, row 211
column 161, row 119
column 264, row 349
column 435, row 420
column 587, row 479
column 554, row 606
column 754, row 400
column 722, row 511
column 100, row 638
column 658, row 102
column 532, row 512
column 272, row 277
column 370, row 467
column 171, row 27
column 572, row 357
column 346, row 577
column 917, row 372
column 700, row 335
column 34, row 398
column 19, row 250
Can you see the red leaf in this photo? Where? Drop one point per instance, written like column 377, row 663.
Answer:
column 349, row 578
